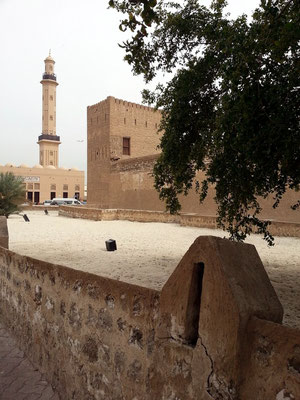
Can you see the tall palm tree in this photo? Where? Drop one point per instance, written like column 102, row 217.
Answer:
column 12, row 193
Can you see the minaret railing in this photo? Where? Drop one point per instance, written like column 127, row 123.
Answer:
column 49, row 76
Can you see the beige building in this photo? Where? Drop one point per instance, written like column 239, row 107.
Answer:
column 122, row 150
column 47, row 180
column 45, row 183
column 117, row 130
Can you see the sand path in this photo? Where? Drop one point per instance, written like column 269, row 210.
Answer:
column 147, row 252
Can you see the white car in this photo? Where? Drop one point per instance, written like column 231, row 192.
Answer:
column 67, row 201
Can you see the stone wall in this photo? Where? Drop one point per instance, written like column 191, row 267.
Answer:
column 98, row 153
column 131, row 187
column 213, row 332
column 185, row 219
column 138, row 122
column 3, row 232
column 273, row 361
column 108, row 122
column 120, row 181
column 88, row 334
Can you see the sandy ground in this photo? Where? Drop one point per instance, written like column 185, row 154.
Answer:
column 147, row 252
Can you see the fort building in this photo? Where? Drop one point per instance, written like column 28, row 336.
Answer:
column 47, row 180
column 117, row 130
column 123, row 141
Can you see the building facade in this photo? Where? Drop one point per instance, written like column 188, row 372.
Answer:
column 122, row 150
column 117, row 130
column 47, row 180
column 46, row 183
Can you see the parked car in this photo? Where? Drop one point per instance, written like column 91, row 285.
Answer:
column 47, row 202
column 57, row 202
column 73, row 202
column 67, row 201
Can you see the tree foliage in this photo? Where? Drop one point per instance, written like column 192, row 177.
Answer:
column 12, row 193
column 231, row 106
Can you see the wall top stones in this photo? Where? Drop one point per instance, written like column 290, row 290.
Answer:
column 113, row 100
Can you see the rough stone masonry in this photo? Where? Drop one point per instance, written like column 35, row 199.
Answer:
column 213, row 332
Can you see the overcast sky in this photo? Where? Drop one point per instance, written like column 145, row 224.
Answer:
column 83, row 37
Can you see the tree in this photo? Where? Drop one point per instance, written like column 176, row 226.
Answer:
column 231, row 106
column 12, row 193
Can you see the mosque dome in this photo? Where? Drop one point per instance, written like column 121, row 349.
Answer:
column 37, row 166
column 9, row 165
column 23, row 166
column 74, row 169
column 50, row 167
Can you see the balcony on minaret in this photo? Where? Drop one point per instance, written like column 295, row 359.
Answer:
column 45, row 136
column 52, row 77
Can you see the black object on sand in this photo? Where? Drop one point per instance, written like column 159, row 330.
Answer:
column 111, row 245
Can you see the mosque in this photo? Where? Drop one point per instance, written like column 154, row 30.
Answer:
column 47, row 180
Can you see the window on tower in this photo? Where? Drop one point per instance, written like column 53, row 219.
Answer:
column 51, row 117
column 51, row 97
column 126, row 146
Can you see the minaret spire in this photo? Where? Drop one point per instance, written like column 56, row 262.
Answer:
column 48, row 140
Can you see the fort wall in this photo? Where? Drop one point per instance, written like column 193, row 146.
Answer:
column 212, row 332
column 139, row 123
column 132, row 187
column 108, row 123
column 125, row 181
column 3, row 232
column 98, row 153
column 278, row 228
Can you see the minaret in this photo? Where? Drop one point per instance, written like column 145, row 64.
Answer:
column 48, row 140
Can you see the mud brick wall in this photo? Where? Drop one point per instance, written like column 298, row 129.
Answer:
column 91, row 336
column 132, row 187
column 3, row 232
column 274, row 361
column 122, row 181
column 213, row 332
column 185, row 219
column 108, row 122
